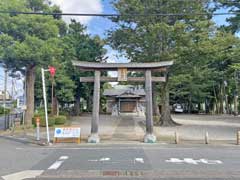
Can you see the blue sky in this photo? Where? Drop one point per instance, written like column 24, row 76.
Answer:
column 99, row 25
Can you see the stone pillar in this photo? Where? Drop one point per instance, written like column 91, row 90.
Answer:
column 149, row 136
column 94, row 138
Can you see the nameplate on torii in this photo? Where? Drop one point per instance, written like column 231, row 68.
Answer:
column 122, row 74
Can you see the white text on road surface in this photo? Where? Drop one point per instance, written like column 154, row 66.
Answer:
column 193, row 161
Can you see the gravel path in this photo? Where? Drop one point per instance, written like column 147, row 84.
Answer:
column 219, row 127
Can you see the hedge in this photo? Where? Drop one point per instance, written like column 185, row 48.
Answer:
column 7, row 111
column 60, row 119
column 52, row 120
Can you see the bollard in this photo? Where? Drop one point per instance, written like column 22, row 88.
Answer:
column 38, row 128
column 206, row 138
column 176, row 138
column 238, row 137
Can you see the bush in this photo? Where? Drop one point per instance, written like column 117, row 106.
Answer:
column 60, row 119
column 41, row 110
column 7, row 111
column 156, row 120
column 51, row 120
column 40, row 115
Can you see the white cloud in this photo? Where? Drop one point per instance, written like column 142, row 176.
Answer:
column 79, row 6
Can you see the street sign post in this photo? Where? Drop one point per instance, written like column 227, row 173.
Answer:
column 38, row 128
column 52, row 71
column 45, row 103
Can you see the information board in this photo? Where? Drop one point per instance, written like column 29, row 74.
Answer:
column 67, row 132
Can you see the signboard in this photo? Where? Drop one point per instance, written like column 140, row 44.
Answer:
column 67, row 132
column 52, row 70
column 122, row 74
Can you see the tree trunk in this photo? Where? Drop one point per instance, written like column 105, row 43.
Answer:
column 221, row 110
column 227, row 104
column 30, row 81
column 166, row 119
column 53, row 100
column 156, row 111
column 77, row 104
column 215, row 104
column 54, row 106
column 89, row 103
column 57, row 107
column 235, row 105
column 190, row 104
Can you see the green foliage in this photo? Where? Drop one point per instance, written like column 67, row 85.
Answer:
column 60, row 120
column 27, row 38
column 205, row 57
column 51, row 120
column 38, row 115
column 7, row 110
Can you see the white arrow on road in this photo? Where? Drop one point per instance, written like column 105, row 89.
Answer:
column 193, row 161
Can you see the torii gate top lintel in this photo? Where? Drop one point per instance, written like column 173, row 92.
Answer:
column 89, row 66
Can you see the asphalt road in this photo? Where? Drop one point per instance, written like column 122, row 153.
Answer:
column 118, row 161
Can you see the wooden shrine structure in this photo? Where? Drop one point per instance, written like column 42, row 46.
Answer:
column 122, row 69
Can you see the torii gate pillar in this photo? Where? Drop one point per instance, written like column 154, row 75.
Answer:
column 149, row 136
column 94, row 137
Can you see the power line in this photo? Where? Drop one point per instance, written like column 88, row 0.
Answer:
column 119, row 15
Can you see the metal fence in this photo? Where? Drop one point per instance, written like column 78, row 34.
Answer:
column 9, row 120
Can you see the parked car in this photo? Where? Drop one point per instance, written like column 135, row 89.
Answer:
column 178, row 108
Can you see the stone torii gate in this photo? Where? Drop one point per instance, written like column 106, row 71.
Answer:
column 122, row 69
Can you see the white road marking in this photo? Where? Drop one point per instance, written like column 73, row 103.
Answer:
column 58, row 163
column 101, row 159
column 63, row 158
column 23, row 175
column 140, row 160
column 190, row 161
column 193, row 161
column 55, row 165
column 93, row 160
column 104, row 159
column 205, row 161
column 19, row 148
column 175, row 160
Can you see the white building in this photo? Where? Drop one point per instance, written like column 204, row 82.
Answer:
column 8, row 97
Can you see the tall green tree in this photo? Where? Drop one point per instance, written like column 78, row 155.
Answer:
column 26, row 41
column 82, row 47
column 154, row 38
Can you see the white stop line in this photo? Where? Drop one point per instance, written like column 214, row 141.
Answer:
column 193, row 161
